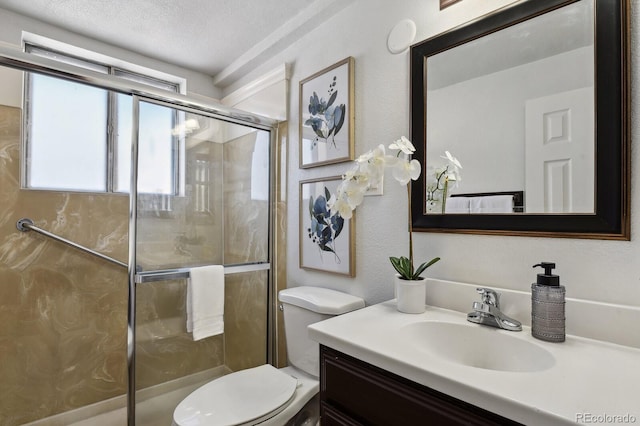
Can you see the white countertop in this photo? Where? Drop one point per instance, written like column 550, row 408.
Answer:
column 588, row 379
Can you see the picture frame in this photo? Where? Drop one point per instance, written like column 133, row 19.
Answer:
column 447, row 3
column 326, row 240
column 326, row 118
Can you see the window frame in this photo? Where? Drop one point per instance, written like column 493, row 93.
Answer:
column 117, row 71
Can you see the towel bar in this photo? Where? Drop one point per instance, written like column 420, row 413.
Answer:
column 183, row 273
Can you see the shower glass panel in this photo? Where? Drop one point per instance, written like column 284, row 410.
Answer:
column 209, row 206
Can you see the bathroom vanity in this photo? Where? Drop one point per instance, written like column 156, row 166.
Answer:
column 381, row 366
column 354, row 392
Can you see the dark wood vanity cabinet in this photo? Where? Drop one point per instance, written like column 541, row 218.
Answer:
column 353, row 392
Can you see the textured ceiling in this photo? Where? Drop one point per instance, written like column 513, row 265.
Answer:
column 208, row 36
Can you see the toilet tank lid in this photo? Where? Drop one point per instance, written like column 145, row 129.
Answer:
column 321, row 300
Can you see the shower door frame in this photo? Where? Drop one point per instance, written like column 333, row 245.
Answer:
column 136, row 277
column 21, row 61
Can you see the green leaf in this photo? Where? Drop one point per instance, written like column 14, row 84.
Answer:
column 424, row 266
column 402, row 266
column 395, row 262
column 406, row 265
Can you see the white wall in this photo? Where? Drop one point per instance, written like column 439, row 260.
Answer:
column 12, row 25
column 488, row 128
column 606, row 271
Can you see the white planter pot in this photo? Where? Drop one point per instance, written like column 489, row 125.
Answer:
column 411, row 295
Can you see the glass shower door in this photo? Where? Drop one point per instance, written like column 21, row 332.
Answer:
column 203, row 199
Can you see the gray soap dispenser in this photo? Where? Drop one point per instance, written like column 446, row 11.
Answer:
column 547, row 306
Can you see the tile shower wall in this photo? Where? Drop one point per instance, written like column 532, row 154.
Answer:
column 63, row 313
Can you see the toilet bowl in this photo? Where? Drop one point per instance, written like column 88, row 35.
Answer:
column 266, row 395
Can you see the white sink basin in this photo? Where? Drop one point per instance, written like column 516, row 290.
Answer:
column 477, row 346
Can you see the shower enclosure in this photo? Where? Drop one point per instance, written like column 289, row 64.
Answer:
column 81, row 337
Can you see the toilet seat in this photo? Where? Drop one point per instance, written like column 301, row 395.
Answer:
column 244, row 397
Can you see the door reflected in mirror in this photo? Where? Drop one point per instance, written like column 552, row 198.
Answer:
column 516, row 107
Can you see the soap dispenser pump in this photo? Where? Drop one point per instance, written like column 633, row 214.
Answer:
column 547, row 305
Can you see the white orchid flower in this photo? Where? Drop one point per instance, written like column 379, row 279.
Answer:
column 366, row 177
column 404, row 145
column 353, row 193
column 360, row 174
column 340, row 205
column 405, row 171
column 374, row 157
column 453, row 160
column 351, row 174
column 376, row 152
column 454, row 176
column 349, row 194
column 373, row 163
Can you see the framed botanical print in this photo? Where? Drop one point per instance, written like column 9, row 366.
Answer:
column 326, row 115
column 326, row 239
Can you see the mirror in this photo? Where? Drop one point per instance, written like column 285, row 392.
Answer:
column 532, row 102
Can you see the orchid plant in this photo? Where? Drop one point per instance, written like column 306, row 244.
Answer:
column 367, row 173
column 445, row 178
column 450, row 172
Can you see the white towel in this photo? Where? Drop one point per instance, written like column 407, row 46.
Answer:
column 457, row 205
column 205, row 301
column 492, row 204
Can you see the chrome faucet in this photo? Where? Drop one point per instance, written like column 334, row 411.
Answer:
column 488, row 312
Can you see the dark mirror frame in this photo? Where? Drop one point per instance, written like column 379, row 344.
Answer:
column 612, row 138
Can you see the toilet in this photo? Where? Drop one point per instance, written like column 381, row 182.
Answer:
column 266, row 395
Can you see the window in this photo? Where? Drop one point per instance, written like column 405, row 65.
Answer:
column 78, row 137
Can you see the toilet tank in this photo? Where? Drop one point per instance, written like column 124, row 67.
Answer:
column 303, row 306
